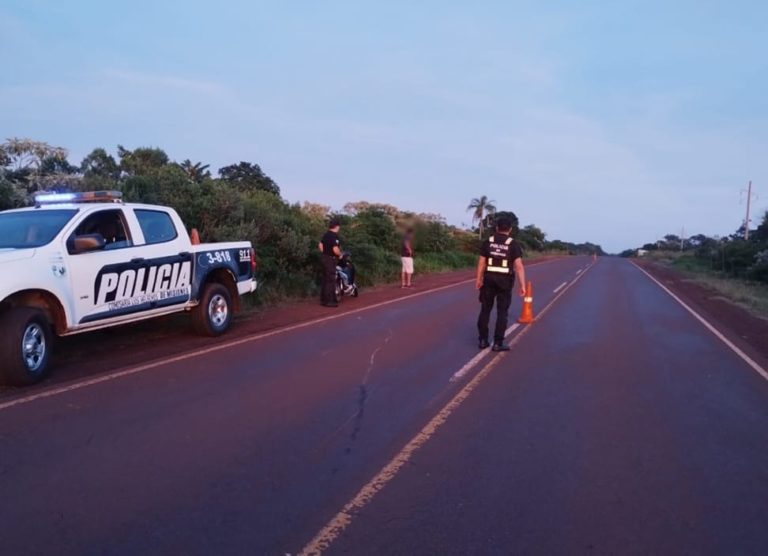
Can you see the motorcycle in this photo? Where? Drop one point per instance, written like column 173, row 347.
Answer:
column 345, row 278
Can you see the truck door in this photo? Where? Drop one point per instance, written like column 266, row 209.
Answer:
column 86, row 265
column 126, row 276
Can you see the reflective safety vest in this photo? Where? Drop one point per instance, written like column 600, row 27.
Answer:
column 498, row 262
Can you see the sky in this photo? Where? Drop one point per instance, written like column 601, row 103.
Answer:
column 615, row 122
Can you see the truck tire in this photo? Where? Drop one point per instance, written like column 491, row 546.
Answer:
column 213, row 314
column 25, row 346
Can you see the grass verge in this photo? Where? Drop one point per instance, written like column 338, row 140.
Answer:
column 752, row 296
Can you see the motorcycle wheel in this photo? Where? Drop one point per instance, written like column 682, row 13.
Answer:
column 337, row 292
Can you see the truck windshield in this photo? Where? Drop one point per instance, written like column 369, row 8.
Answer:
column 24, row 230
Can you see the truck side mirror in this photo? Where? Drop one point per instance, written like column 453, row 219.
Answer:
column 86, row 243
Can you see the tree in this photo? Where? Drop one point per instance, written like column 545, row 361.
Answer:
column 25, row 161
column 373, row 227
column 480, row 207
column 316, row 211
column 357, row 207
column 166, row 186
column 10, row 196
column 142, row 161
column 53, row 166
column 26, row 154
column 760, row 234
column 431, row 217
column 433, row 237
column 557, row 245
column 197, row 172
column 697, row 240
column 532, row 237
column 248, row 177
column 58, row 174
column 100, row 164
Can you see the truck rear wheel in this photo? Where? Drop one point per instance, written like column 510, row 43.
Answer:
column 213, row 314
column 25, row 346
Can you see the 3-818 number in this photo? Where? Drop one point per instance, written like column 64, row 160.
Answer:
column 219, row 257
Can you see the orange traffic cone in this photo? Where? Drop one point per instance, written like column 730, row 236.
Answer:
column 194, row 237
column 526, row 317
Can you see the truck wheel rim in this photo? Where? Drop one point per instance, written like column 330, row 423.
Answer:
column 33, row 347
column 218, row 310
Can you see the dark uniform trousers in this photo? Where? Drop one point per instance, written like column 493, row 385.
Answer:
column 496, row 288
column 328, row 294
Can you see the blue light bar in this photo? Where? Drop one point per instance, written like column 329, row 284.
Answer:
column 46, row 198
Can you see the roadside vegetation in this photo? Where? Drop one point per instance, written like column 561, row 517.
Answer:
column 241, row 202
column 734, row 266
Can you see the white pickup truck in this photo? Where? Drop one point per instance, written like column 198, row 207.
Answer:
column 81, row 261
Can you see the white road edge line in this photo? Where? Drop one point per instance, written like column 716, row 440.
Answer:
column 54, row 391
column 336, row 526
column 733, row 347
column 579, row 271
column 560, row 287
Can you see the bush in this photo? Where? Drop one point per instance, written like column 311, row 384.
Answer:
column 441, row 262
column 433, row 237
column 10, row 196
column 374, row 264
column 759, row 271
column 467, row 242
column 371, row 227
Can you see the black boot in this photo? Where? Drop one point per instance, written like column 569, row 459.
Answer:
column 483, row 343
column 500, row 346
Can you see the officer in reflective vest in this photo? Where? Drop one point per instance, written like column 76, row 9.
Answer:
column 499, row 264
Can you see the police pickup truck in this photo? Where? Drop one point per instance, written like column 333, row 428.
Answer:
column 81, row 261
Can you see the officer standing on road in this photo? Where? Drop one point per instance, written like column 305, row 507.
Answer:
column 499, row 263
column 331, row 252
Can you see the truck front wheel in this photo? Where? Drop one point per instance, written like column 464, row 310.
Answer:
column 213, row 314
column 25, row 346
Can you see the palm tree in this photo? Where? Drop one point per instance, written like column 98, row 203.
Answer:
column 197, row 171
column 481, row 207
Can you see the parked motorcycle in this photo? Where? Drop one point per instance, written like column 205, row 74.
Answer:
column 345, row 278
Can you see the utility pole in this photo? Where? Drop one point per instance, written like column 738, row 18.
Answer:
column 682, row 238
column 749, row 202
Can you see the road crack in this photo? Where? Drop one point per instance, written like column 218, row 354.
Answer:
column 363, row 393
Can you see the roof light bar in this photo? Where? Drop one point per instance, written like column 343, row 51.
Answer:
column 46, row 198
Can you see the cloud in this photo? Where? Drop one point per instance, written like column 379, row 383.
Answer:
column 155, row 81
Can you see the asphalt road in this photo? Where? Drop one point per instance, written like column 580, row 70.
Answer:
column 617, row 425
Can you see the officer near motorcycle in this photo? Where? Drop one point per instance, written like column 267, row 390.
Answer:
column 330, row 253
column 499, row 264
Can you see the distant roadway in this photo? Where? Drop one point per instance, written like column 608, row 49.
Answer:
column 618, row 424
